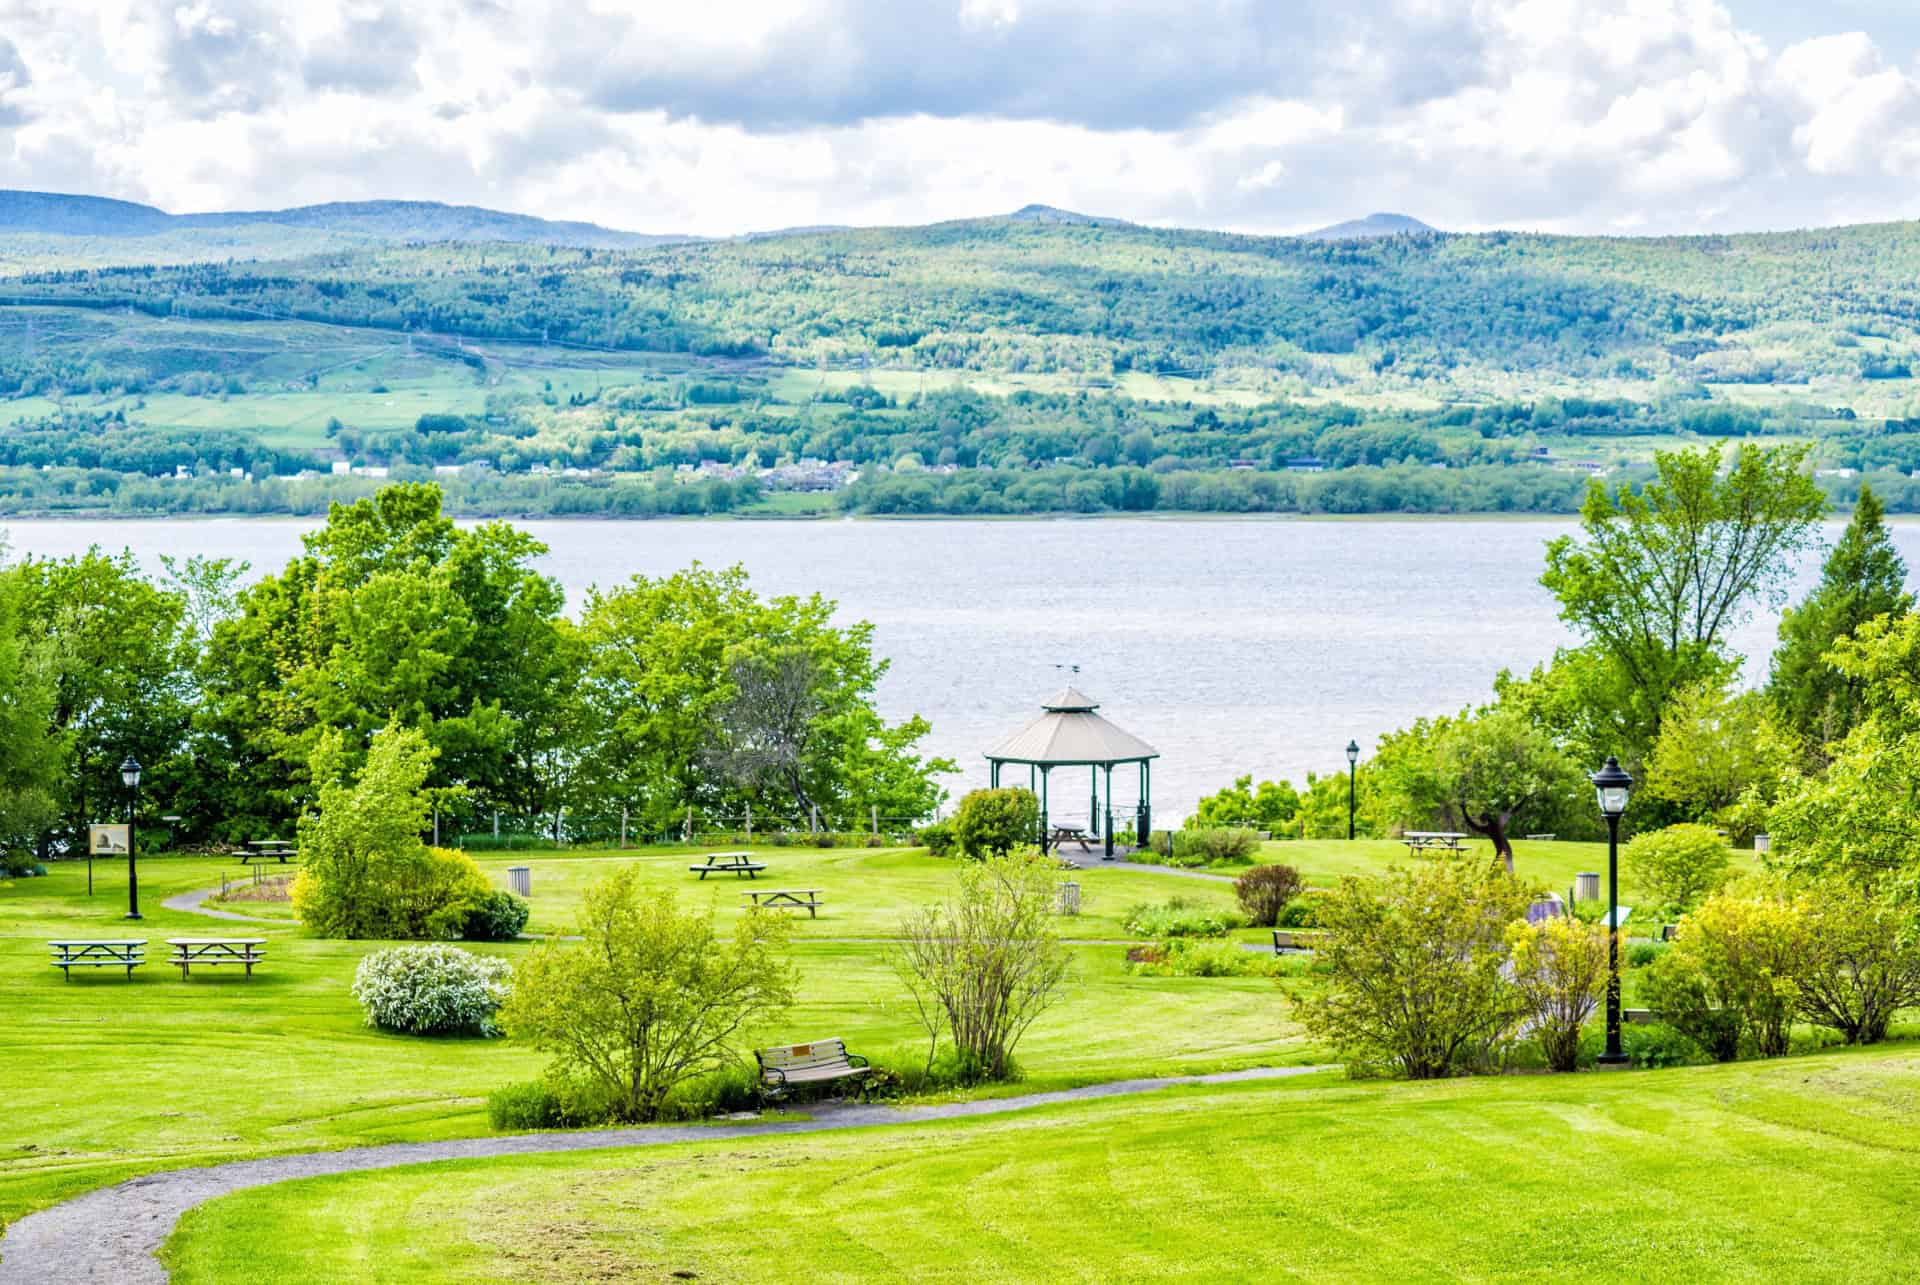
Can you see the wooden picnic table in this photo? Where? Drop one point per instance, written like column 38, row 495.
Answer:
column 268, row 850
column 808, row 899
column 738, row 863
column 1418, row 841
column 70, row 954
column 245, row 951
column 1060, row 834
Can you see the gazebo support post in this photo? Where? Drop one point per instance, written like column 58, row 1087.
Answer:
column 1143, row 829
column 1109, row 825
column 1043, row 811
column 1093, row 799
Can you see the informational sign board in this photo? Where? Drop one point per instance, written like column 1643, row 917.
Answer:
column 107, row 840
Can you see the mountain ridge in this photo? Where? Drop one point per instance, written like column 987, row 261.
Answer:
column 78, row 214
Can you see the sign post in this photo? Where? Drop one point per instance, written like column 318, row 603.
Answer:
column 104, row 841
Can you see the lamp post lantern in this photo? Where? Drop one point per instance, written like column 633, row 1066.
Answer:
column 1353, row 764
column 130, row 774
column 1611, row 787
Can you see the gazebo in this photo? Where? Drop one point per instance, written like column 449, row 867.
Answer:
column 1070, row 734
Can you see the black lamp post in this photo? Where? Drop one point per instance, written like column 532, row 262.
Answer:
column 130, row 773
column 1611, row 786
column 1353, row 763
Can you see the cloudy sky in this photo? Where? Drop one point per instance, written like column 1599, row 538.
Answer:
column 729, row 115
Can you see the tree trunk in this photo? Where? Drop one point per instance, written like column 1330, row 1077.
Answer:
column 1495, row 828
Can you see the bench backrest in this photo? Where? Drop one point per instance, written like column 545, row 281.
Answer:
column 804, row 1057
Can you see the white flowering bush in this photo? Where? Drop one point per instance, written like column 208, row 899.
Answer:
column 432, row 990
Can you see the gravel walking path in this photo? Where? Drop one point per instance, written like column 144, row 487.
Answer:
column 1094, row 861
column 110, row 1236
column 190, row 902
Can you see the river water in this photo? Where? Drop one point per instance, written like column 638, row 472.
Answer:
column 1231, row 646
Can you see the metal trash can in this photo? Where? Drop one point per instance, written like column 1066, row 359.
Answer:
column 1586, row 886
column 1762, row 843
column 1068, row 902
column 520, row 878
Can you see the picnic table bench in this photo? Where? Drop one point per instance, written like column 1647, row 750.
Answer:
column 1060, row 834
column 739, row 863
column 806, row 1064
column 245, row 951
column 1419, row 841
column 268, row 850
column 808, row 899
column 72, row 954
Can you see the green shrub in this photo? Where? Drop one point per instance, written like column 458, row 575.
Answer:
column 1656, row 1045
column 777, row 839
column 530, row 1104
column 1264, row 892
column 1642, row 953
column 826, row 839
column 499, row 916
column 733, row 1088
column 431, row 990
column 364, row 872
column 1678, row 866
column 20, row 865
column 1178, row 917
column 1224, row 846
column 1559, row 966
column 1185, row 957
column 1417, row 966
column 992, row 823
column 1862, row 965
column 1729, row 978
column 937, row 838
column 1301, row 912
column 651, row 999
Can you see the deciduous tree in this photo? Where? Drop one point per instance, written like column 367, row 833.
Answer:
column 651, row 997
column 1660, row 575
column 1863, row 578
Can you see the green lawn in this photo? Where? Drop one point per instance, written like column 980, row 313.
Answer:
column 128, row 1077
column 1551, row 864
column 1806, row 1169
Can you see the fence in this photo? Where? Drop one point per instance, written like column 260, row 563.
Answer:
column 502, row 831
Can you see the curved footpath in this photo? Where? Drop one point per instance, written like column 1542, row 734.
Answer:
column 111, row 1235
column 190, row 902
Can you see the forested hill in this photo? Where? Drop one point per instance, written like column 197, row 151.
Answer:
column 1094, row 299
column 1035, row 361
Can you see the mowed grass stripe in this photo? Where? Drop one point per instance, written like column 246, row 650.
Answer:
column 1749, row 1172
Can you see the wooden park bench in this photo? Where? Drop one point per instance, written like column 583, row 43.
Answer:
column 738, row 863
column 69, row 955
column 1286, row 940
column 1636, row 1016
column 782, row 1068
column 245, row 951
column 807, row 899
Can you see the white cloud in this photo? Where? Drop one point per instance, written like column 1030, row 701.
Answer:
column 1658, row 115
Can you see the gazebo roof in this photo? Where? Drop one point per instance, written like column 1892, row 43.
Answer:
column 1069, row 732
column 1070, row 699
